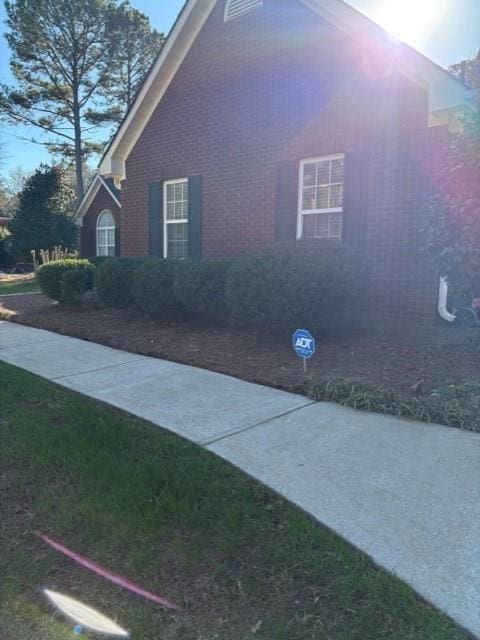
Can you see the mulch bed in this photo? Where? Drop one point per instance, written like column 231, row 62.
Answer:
column 411, row 358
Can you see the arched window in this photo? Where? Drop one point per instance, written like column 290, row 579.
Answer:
column 106, row 234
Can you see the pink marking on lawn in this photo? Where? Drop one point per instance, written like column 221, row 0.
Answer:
column 108, row 575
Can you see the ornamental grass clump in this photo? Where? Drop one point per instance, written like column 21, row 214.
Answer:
column 453, row 405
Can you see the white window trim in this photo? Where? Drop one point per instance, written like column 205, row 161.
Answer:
column 107, row 229
column 165, row 221
column 300, row 211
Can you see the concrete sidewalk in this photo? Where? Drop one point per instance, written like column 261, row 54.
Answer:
column 405, row 493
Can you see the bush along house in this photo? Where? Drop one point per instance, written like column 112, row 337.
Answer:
column 268, row 120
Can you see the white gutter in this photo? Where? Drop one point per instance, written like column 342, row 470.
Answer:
column 442, row 302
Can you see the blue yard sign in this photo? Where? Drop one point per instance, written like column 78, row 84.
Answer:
column 303, row 343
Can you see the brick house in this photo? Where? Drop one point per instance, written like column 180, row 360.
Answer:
column 99, row 213
column 266, row 120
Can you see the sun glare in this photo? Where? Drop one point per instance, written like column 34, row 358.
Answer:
column 410, row 20
column 85, row 616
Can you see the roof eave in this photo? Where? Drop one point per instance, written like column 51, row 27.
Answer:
column 89, row 196
column 182, row 36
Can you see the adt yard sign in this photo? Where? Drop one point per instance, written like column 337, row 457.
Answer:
column 303, row 343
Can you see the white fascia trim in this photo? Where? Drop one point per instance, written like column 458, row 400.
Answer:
column 114, row 197
column 444, row 90
column 89, row 196
column 181, row 38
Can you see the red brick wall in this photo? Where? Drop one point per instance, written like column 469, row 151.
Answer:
column 281, row 83
column 103, row 200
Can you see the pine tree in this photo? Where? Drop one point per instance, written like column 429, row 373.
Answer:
column 44, row 216
column 60, row 54
column 134, row 48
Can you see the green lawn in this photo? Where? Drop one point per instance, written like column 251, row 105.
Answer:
column 18, row 284
column 180, row 522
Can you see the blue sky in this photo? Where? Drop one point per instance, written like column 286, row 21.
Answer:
column 454, row 34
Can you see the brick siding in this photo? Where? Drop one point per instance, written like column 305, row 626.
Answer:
column 103, row 200
column 278, row 84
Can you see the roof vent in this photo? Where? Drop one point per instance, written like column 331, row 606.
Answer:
column 235, row 8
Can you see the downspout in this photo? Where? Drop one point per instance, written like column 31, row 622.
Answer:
column 442, row 302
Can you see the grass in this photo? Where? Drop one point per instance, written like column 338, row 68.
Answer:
column 22, row 283
column 455, row 405
column 180, row 522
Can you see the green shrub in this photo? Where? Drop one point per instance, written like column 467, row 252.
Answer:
column 152, row 288
column 113, row 281
column 50, row 275
column 299, row 284
column 76, row 283
column 200, row 288
column 90, row 301
column 454, row 405
column 98, row 260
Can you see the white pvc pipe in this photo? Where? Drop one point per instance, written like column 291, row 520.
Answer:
column 442, row 302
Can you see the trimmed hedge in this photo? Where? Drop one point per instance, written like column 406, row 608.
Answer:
column 98, row 260
column 76, row 283
column 200, row 288
column 50, row 275
column 152, row 288
column 301, row 283
column 455, row 405
column 113, row 281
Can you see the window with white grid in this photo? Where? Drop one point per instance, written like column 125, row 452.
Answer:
column 105, row 234
column 175, row 218
column 320, row 198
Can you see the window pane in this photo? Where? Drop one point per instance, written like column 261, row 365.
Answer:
column 106, row 219
column 111, row 251
column 322, row 225
column 337, row 170
column 322, row 198
column 177, row 240
column 336, row 196
column 309, row 226
column 102, row 236
column 309, row 174
column 309, row 201
column 323, row 172
column 322, row 186
column 176, row 204
column 111, row 236
column 335, row 225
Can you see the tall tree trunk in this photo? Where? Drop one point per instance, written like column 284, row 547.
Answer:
column 78, row 149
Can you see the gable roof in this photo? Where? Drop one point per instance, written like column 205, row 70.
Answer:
column 446, row 93
column 94, row 187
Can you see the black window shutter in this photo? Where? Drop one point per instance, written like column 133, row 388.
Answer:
column 195, row 211
column 118, row 251
column 155, row 219
column 286, row 201
column 355, row 202
column 88, row 242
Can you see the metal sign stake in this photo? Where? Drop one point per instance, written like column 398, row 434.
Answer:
column 303, row 344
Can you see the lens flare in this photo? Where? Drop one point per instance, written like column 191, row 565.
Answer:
column 410, row 20
column 85, row 616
